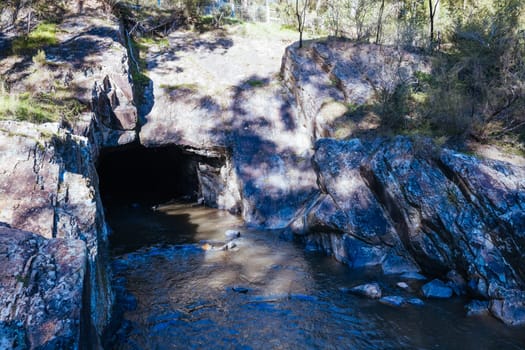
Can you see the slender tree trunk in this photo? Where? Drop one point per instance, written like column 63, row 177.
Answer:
column 299, row 28
column 244, row 9
column 380, row 22
column 431, row 17
column 16, row 9
column 300, row 20
column 432, row 12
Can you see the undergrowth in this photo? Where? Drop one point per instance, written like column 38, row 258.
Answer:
column 43, row 35
column 38, row 108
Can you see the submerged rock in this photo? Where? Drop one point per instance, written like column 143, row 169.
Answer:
column 230, row 245
column 399, row 301
column 415, row 301
column 369, row 290
column 393, row 300
column 403, row 285
column 510, row 309
column 303, row 297
column 218, row 246
column 232, row 234
column 436, row 289
column 477, row 308
column 240, row 289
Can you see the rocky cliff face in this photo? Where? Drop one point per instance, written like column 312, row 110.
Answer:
column 43, row 284
column 407, row 205
column 328, row 77
column 55, row 280
column 50, row 188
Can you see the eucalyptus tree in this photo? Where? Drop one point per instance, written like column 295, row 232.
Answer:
column 300, row 13
column 432, row 7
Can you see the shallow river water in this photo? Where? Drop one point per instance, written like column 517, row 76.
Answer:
column 265, row 293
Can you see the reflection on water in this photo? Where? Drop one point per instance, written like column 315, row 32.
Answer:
column 263, row 294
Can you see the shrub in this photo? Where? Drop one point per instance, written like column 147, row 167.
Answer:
column 43, row 35
column 393, row 106
column 38, row 108
column 24, row 108
column 478, row 87
column 40, row 58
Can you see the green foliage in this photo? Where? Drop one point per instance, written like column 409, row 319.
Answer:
column 393, row 106
column 43, row 35
column 478, row 85
column 187, row 87
column 423, row 79
column 256, row 83
column 221, row 14
column 213, row 21
column 23, row 107
column 137, row 69
column 38, row 108
column 40, row 58
column 144, row 42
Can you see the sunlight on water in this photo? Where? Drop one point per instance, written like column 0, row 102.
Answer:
column 263, row 293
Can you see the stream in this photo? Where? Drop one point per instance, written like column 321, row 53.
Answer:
column 264, row 293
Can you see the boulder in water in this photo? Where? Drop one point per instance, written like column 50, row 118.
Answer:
column 369, row 290
column 436, row 289
column 477, row 308
column 403, row 285
column 415, row 301
column 393, row 300
column 232, row 234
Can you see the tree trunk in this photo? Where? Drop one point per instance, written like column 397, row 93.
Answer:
column 380, row 22
column 432, row 12
column 16, row 9
column 299, row 23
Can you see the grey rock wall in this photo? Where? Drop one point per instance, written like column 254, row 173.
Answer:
column 49, row 187
column 43, row 281
column 407, row 205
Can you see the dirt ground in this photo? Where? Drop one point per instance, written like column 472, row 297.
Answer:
column 215, row 62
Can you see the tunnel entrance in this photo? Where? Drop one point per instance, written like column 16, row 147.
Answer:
column 145, row 192
column 137, row 175
column 134, row 181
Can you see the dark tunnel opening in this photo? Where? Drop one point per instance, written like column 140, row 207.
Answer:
column 137, row 175
column 134, row 181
